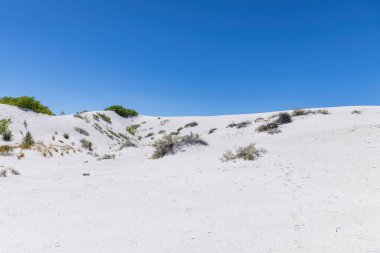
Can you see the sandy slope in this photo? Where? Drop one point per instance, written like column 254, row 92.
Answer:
column 315, row 190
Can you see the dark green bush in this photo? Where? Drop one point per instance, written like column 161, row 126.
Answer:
column 27, row 141
column 7, row 136
column 283, row 118
column 121, row 111
column 26, row 102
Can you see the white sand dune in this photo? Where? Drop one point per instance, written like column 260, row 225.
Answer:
column 315, row 190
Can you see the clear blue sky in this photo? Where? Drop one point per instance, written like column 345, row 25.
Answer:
column 191, row 57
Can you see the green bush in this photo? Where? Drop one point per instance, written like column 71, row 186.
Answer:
column 27, row 141
column 86, row 144
column 121, row 111
column 104, row 117
column 133, row 128
column 7, row 136
column 26, row 102
column 4, row 124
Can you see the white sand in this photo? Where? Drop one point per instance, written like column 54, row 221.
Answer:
column 317, row 189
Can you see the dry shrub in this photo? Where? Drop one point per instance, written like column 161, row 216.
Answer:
column 171, row 144
column 249, row 152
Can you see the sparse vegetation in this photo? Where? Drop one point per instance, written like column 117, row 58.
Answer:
column 104, row 117
column 240, row 124
column 212, row 130
column 107, row 157
column 7, row 136
column 161, row 132
column 192, row 124
column 149, row 135
column 26, row 102
column 86, row 144
column 171, row 144
column 283, row 118
column 81, row 131
column 249, row 152
column 6, row 171
column 121, row 111
column 27, row 140
column 302, row 112
column 66, row 136
column 133, row 128
column 356, row 112
column 268, row 127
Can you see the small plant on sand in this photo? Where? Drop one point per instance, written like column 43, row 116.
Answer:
column 283, row 118
column 191, row 124
column 267, row 127
column 86, row 144
column 81, row 131
column 249, row 152
column 27, row 141
column 149, row 135
column 240, row 124
column 104, row 117
column 7, row 136
column 171, row 144
column 66, row 136
column 161, row 132
column 356, row 112
column 133, row 128
column 212, row 130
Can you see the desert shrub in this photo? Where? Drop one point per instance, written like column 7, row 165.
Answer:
column 95, row 117
column 121, row 111
column 161, row 132
column 191, row 124
column 4, row 124
column 133, row 128
column 163, row 122
column 66, row 135
column 107, row 157
column 7, row 136
column 81, row 131
column 174, row 133
column 149, row 135
column 104, row 117
column 259, row 119
column 27, row 140
column 356, row 112
column 127, row 143
column 179, row 129
column 299, row 112
column 171, row 144
column 212, row 130
column 6, row 150
column 249, row 152
column 267, row 127
column 283, row 118
column 79, row 116
column 240, row 124
column 86, row 144
column 27, row 103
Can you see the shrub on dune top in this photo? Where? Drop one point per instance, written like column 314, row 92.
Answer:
column 121, row 111
column 27, row 103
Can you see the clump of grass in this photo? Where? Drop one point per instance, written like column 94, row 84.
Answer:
column 127, row 143
column 161, row 132
column 133, row 128
column 212, row 130
column 27, row 140
column 283, row 118
column 86, row 144
column 302, row 112
column 81, row 131
column 247, row 153
column 7, row 136
column 104, row 117
column 66, row 136
column 171, row 144
column 12, row 171
column 267, row 127
column 191, row 124
column 356, row 112
column 149, row 135
column 107, row 157
column 240, row 124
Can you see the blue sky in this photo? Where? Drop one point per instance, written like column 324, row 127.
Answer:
column 191, row 57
